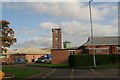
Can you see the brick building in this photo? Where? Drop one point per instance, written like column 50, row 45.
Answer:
column 26, row 54
column 59, row 54
column 102, row 45
column 56, row 38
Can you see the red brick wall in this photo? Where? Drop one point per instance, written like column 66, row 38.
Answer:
column 28, row 57
column 60, row 56
column 14, row 56
column 111, row 49
column 59, row 36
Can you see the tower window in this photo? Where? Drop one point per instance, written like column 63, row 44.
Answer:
column 57, row 32
column 57, row 40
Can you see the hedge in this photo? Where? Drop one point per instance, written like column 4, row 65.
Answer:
column 72, row 61
column 87, row 59
column 84, row 60
column 102, row 59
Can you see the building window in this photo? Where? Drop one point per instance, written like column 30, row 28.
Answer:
column 57, row 40
column 118, row 48
column 102, row 50
column 97, row 51
column 72, row 52
column 57, row 32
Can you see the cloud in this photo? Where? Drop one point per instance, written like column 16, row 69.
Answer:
column 58, row 0
column 78, row 32
column 42, row 0
column 41, row 42
column 26, row 31
column 69, row 10
column 47, row 25
column 74, row 31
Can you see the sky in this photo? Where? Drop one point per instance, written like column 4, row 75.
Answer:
column 33, row 21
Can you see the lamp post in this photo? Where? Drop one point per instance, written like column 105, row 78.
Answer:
column 92, row 34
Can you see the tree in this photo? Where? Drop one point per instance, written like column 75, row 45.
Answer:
column 6, row 35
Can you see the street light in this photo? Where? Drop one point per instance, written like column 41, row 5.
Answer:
column 92, row 34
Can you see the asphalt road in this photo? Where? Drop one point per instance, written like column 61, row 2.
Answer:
column 68, row 74
column 82, row 73
column 76, row 73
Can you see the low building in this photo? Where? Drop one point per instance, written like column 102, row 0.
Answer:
column 102, row 45
column 24, row 55
column 61, row 56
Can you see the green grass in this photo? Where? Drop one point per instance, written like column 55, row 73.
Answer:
column 49, row 65
column 117, row 65
column 102, row 66
column 67, row 66
column 20, row 72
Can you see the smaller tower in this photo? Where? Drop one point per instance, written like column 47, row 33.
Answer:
column 56, row 38
column 66, row 44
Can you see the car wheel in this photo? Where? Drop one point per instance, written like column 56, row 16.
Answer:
column 43, row 61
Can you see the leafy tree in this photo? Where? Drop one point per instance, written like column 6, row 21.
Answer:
column 6, row 35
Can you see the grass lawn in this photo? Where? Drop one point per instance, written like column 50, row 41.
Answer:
column 49, row 65
column 20, row 72
column 117, row 65
column 67, row 66
column 102, row 66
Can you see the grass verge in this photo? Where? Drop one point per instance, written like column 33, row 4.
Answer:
column 67, row 66
column 102, row 66
column 20, row 72
column 49, row 65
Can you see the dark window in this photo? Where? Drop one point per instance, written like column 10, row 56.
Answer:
column 72, row 52
column 118, row 48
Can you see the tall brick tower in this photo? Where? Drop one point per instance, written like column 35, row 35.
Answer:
column 56, row 38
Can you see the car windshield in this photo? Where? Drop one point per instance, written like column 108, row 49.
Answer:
column 40, row 58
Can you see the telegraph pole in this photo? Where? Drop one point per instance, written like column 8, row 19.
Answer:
column 93, row 50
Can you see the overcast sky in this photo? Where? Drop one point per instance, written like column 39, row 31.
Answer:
column 33, row 21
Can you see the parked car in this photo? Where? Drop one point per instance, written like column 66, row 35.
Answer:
column 19, row 61
column 43, row 60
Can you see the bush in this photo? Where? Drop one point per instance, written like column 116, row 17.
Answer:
column 87, row 59
column 72, row 61
column 84, row 60
column 115, row 58
column 102, row 59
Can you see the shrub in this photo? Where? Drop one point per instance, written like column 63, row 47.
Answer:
column 84, row 60
column 102, row 59
column 87, row 59
column 72, row 61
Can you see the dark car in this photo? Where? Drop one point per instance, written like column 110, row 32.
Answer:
column 43, row 60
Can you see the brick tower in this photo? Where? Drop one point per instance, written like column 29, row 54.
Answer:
column 56, row 38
